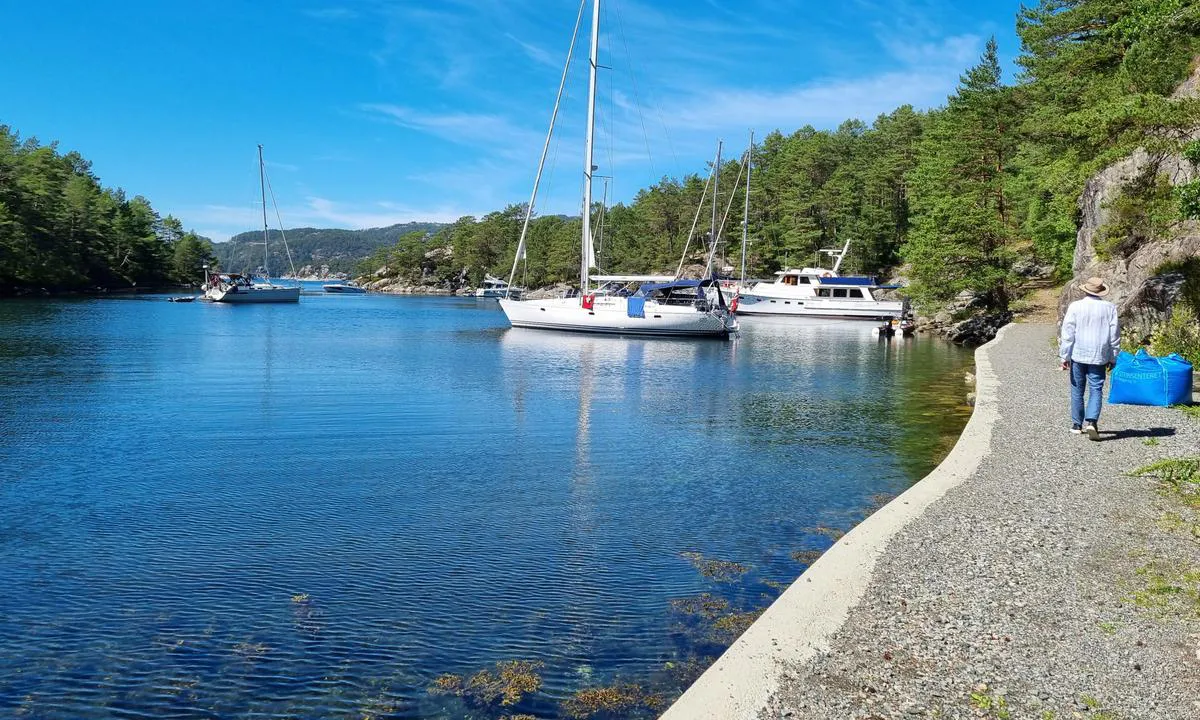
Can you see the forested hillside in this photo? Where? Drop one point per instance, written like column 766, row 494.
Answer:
column 339, row 250
column 61, row 230
column 966, row 196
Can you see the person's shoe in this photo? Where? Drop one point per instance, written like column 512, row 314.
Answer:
column 1075, row 429
column 1092, row 431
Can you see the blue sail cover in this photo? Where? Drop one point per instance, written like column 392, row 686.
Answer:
column 648, row 288
column 636, row 307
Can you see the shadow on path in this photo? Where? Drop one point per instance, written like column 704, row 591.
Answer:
column 1155, row 432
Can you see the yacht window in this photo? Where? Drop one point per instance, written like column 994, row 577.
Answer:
column 856, row 293
column 787, row 302
column 789, row 280
column 804, row 280
column 823, row 292
column 839, row 292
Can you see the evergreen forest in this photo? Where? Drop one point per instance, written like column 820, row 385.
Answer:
column 61, row 230
column 962, row 197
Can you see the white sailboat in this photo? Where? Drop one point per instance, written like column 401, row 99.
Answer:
column 242, row 289
column 676, row 307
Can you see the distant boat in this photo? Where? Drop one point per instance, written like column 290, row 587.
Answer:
column 343, row 288
column 677, row 307
column 494, row 287
column 241, row 289
column 820, row 293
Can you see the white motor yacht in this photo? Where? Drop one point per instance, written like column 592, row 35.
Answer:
column 821, row 293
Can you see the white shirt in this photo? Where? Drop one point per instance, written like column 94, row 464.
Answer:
column 1090, row 332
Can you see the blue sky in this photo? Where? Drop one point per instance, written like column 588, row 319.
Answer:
column 374, row 112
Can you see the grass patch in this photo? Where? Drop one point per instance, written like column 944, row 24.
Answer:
column 1178, row 477
column 1095, row 712
column 1166, row 587
column 1192, row 411
column 991, row 705
column 1151, row 442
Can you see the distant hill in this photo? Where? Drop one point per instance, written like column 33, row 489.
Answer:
column 340, row 250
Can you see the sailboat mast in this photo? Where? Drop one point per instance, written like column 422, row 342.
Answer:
column 746, row 211
column 716, row 197
column 262, row 186
column 586, row 253
column 599, row 244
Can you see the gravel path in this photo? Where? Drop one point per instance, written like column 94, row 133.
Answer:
column 1041, row 587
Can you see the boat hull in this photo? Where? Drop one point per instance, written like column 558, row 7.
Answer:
column 609, row 315
column 343, row 290
column 256, row 295
column 751, row 304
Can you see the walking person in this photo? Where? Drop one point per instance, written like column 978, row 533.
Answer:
column 1088, row 346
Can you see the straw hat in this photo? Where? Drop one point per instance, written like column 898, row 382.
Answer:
column 1095, row 286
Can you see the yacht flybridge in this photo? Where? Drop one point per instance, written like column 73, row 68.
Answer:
column 659, row 306
column 821, row 293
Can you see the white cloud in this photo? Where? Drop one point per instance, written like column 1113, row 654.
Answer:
column 379, row 214
column 536, row 53
column 464, row 128
column 221, row 222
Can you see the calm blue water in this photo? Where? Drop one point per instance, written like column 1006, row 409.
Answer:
column 316, row 510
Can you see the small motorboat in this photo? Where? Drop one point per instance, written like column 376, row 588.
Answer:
column 343, row 288
column 182, row 298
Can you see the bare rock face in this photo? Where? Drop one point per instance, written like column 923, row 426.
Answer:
column 554, row 291
column 1151, row 302
column 1140, row 296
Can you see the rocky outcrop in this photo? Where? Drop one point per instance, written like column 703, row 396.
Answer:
column 965, row 320
column 383, row 280
column 1132, row 276
column 1142, row 295
column 318, row 272
column 554, row 291
column 393, row 286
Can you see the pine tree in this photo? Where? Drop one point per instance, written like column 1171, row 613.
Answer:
column 962, row 223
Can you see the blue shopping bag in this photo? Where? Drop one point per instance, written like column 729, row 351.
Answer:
column 1144, row 379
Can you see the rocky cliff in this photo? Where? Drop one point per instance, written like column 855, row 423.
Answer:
column 1143, row 294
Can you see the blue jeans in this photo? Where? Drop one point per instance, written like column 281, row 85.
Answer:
column 1093, row 377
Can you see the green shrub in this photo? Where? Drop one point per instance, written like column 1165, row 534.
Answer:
column 1179, row 334
column 1191, row 151
column 1145, row 209
column 1189, row 199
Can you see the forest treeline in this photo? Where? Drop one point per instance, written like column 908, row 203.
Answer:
column 61, row 230
column 964, row 196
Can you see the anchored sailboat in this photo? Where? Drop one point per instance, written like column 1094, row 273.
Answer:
column 675, row 307
column 238, row 288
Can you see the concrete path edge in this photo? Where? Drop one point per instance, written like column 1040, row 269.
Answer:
column 802, row 621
